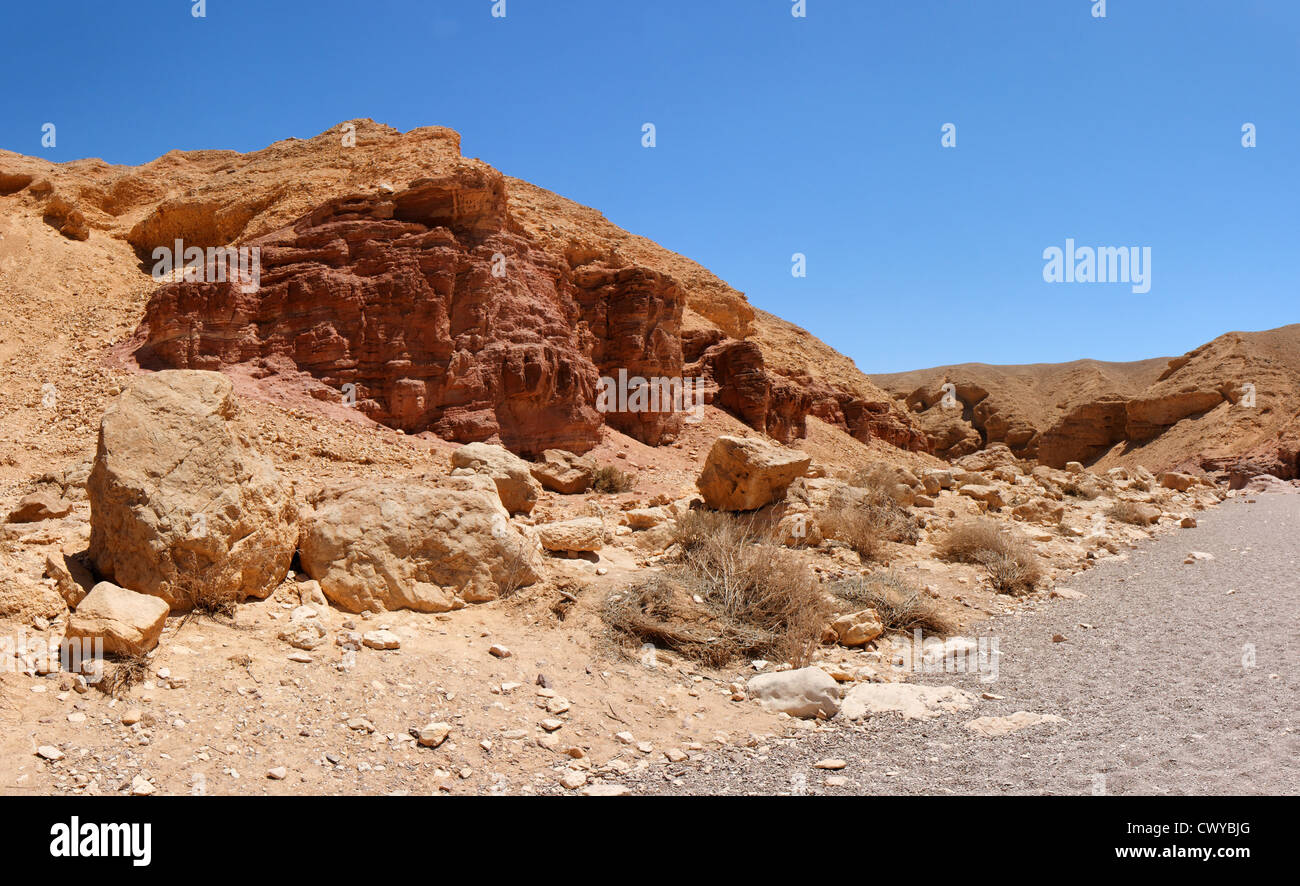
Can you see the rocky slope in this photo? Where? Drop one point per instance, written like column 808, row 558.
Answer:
column 524, row 299
column 1189, row 412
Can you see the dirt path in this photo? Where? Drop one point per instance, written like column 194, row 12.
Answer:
column 1155, row 692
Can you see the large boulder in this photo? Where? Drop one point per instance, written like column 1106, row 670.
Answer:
column 744, row 473
column 564, row 472
column 410, row 544
column 181, row 504
column 128, row 623
column 805, row 692
column 511, row 474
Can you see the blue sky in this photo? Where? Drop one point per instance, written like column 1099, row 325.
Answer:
column 777, row 135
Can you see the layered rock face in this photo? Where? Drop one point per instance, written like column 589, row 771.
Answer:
column 439, row 314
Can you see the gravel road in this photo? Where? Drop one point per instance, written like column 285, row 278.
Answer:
column 1155, row 692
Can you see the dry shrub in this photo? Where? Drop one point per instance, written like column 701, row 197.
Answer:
column 875, row 478
column 610, row 479
column 758, row 599
column 517, row 568
column 867, row 527
column 123, row 673
column 1128, row 512
column 1080, row 486
column 900, row 604
column 1009, row 559
column 215, row 603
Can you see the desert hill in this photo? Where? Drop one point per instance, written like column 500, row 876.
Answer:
column 78, row 241
column 1191, row 411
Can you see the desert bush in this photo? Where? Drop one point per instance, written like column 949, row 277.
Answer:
column 610, row 479
column 901, row 605
column 1011, row 562
column 1127, row 512
column 119, row 676
column 867, row 527
column 758, row 599
column 1081, row 487
column 517, row 568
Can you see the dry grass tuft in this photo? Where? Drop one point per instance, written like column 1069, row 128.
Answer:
column 867, row 528
column 1128, row 512
column 611, row 480
column 901, row 605
column 758, row 599
column 124, row 673
column 1009, row 559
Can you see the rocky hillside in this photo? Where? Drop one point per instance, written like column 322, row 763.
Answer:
column 454, row 300
column 1190, row 412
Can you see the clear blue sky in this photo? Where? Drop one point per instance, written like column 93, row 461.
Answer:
column 777, row 135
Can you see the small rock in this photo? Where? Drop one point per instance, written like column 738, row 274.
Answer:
column 279, row 773
column 381, row 640
column 433, row 735
column 831, row 764
column 499, row 651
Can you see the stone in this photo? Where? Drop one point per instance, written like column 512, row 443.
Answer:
column 432, row 735
column 305, row 634
column 499, row 651
column 564, row 472
column 50, row 753
column 141, row 787
column 277, row 773
column 936, row 480
column 1187, row 523
column 803, row 692
column 606, row 790
column 573, row 780
column 181, row 503
column 745, row 473
column 584, row 534
column 128, row 623
column 511, row 474
column 132, row 716
column 381, row 640
column 996, row 727
column 832, row 765
column 1177, row 481
column 911, row 701
column 40, row 506
column 645, row 518
column 382, row 545
column 858, row 628
column 72, row 579
column 989, row 495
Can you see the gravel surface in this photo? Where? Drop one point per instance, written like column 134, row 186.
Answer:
column 1155, row 692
